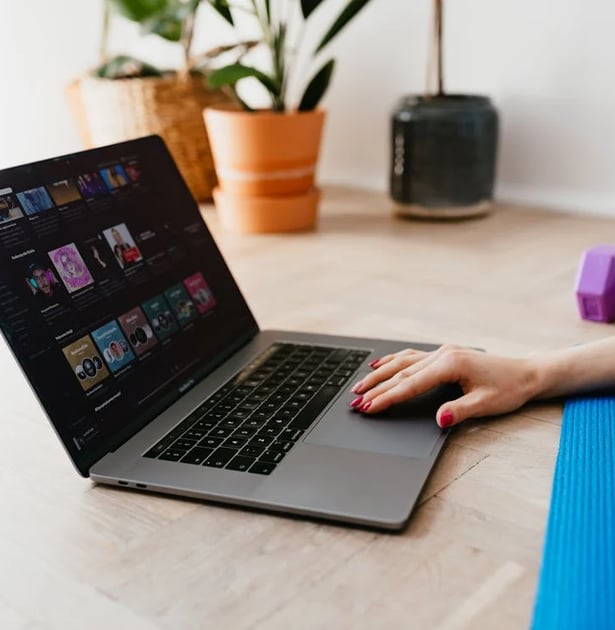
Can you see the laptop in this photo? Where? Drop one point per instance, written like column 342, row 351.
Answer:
column 143, row 353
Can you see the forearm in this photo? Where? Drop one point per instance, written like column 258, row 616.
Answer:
column 574, row 370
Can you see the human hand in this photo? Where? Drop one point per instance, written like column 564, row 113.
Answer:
column 491, row 384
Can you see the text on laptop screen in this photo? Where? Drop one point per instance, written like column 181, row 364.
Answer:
column 113, row 295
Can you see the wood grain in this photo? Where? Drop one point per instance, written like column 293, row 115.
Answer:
column 76, row 556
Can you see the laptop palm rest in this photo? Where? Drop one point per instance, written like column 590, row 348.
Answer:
column 408, row 429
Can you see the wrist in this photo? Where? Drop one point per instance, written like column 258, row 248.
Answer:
column 535, row 379
column 551, row 374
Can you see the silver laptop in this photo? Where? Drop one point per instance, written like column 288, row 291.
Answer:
column 142, row 351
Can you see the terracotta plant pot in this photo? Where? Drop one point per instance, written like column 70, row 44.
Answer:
column 109, row 111
column 266, row 165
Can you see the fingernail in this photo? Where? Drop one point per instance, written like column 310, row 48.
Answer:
column 373, row 363
column 357, row 387
column 446, row 419
column 356, row 402
column 366, row 406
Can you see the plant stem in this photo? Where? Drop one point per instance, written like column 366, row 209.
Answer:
column 440, row 54
column 277, row 56
column 103, row 53
column 186, row 41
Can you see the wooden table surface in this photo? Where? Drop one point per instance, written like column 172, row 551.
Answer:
column 75, row 555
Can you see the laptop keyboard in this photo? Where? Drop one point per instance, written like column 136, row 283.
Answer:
column 256, row 418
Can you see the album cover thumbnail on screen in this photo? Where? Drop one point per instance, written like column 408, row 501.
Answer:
column 71, row 267
column 86, row 362
column 200, row 292
column 114, row 177
column 113, row 345
column 183, row 307
column 138, row 330
column 35, row 200
column 9, row 208
column 91, row 185
column 161, row 317
column 64, row 192
column 123, row 245
column 43, row 283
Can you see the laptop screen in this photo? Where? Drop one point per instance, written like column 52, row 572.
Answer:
column 113, row 295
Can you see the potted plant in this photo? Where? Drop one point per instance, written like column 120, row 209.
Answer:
column 125, row 97
column 443, row 148
column 266, row 158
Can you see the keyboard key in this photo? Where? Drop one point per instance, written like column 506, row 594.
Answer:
column 290, row 434
column 280, row 445
column 254, row 423
column 262, row 414
column 205, row 425
column 277, row 422
column 269, row 431
column 197, row 456
column 231, row 422
column 184, row 445
column 214, row 416
column 272, row 457
column 245, row 432
column 338, row 355
column 337, row 381
column 240, row 463
column 159, row 448
column 234, row 442
column 262, row 468
column 194, row 434
column 220, row 457
column 261, row 440
column 172, row 455
column 221, row 432
column 252, row 451
column 210, row 441
column 238, row 415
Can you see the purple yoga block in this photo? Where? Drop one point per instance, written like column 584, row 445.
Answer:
column 595, row 286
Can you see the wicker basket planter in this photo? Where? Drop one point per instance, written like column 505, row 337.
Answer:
column 109, row 111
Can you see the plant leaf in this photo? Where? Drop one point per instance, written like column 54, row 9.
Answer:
column 138, row 10
column 229, row 75
column 268, row 10
column 351, row 9
column 308, row 6
column 222, row 7
column 168, row 24
column 125, row 67
column 201, row 60
column 317, row 87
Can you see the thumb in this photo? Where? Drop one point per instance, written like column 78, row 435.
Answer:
column 456, row 411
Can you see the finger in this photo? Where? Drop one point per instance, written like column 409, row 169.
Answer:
column 381, row 361
column 378, row 388
column 388, row 370
column 470, row 405
column 376, row 363
column 416, row 384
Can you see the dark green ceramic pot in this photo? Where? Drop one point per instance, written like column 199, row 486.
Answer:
column 443, row 160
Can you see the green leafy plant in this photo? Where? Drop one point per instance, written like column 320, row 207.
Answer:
column 277, row 27
column 173, row 21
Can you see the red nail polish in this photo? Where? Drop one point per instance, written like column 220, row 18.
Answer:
column 366, row 406
column 356, row 402
column 446, row 419
column 373, row 363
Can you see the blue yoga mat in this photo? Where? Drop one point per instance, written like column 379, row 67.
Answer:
column 576, row 589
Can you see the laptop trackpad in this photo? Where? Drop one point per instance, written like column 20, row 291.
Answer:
column 408, row 429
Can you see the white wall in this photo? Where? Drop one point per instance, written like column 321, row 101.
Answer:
column 547, row 65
